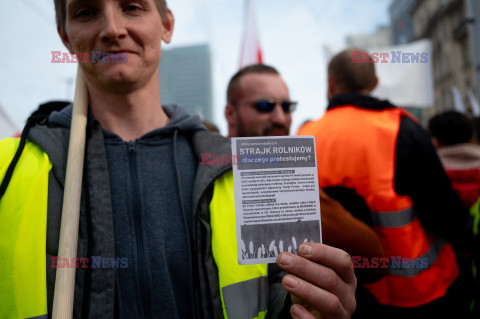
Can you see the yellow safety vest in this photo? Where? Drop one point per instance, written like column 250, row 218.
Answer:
column 23, row 227
column 243, row 288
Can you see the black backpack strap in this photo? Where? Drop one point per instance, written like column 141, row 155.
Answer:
column 40, row 116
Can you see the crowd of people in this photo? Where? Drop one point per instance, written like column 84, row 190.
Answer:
column 389, row 190
column 379, row 166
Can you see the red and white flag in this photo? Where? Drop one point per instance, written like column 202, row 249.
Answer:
column 251, row 52
column 7, row 127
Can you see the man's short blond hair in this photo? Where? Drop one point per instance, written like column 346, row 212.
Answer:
column 61, row 11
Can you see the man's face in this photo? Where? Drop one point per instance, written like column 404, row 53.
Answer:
column 245, row 120
column 134, row 28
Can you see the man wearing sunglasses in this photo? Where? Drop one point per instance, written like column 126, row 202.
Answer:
column 259, row 105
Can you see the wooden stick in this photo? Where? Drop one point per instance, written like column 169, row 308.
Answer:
column 65, row 277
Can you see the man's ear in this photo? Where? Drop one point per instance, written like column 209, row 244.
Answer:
column 63, row 35
column 436, row 142
column 331, row 87
column 374, row 85
column 168, row 24
column 231, row 117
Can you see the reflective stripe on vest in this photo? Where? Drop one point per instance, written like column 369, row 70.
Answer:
column 23, row 226
column 358, row 150
column 401, row 218
column 243, row 288
column 424, row 262
column 395, row 218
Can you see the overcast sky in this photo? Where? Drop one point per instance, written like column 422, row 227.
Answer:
column 292, row 34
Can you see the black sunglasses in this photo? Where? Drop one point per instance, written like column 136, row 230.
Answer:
column 267, row 106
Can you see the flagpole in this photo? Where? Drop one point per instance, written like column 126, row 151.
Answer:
column 65, row 277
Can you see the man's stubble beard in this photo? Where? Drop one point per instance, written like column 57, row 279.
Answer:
column 242, row 129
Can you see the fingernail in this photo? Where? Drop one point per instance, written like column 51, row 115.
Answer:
column 306, row 249
column 285, row 259
column 297, row 311
column 290, row 282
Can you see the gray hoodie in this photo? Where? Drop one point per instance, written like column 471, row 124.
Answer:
column 151, row 182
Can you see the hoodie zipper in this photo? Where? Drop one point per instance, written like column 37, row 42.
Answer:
column 142, row 268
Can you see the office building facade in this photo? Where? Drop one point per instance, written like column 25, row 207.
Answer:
column 186, row 79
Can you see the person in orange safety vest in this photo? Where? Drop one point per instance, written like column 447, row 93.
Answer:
column 371, row 149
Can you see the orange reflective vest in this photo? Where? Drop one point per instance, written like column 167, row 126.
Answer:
column 356, row 148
